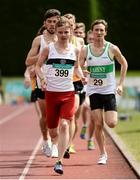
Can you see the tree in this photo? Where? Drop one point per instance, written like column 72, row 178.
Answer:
column 20, row 20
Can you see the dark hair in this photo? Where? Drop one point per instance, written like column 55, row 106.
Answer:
column 99, row 21
column 51, row 12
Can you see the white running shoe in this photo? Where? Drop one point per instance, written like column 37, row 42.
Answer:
column 49, row 142
column 46, row 148
column 103, row 159
column 54, row 151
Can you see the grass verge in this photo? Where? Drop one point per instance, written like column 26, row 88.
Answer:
column 129, row 132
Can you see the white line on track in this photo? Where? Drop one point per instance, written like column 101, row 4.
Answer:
column 13, row 115
column 29, row 162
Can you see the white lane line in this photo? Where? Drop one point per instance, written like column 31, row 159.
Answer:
column 29, row 162
column 13, row 115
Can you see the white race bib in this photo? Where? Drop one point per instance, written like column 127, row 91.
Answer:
column 98, row 82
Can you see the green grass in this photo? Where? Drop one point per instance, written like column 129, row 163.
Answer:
column 129, row 132
column 133, row 73
column 130, row 73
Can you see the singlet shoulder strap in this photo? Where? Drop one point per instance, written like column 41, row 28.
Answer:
column 107, row 46
column 88, row 49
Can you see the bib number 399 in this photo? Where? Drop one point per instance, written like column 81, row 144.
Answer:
column 62, row 72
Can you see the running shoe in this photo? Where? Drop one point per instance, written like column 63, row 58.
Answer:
column 54, row 151
column 103, row 159
column 72, row 149
column 49, row 142
column 91, row 144
column 67, row 154
column 83, row 132
column 58, row 167
column 46, row 143
column 47, row 149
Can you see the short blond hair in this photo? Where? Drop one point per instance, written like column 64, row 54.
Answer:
column 63, row 21
column 80, row 25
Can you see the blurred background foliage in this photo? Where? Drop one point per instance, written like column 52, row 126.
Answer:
column 20, row 20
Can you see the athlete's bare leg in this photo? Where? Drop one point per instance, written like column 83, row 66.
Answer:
column 63, row 139
column 42, row 121
column 99, row 132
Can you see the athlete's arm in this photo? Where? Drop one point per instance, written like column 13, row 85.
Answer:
column 82, row 59
column 42, row 57
column 122, row 61
column 77, row 67
column 32, row 56
column 82, row 56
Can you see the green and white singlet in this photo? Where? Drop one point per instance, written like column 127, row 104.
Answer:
column 101, row 79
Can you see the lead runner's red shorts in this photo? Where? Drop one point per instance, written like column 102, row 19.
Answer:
column 59, row 105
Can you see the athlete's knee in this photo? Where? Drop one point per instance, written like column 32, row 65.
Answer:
column 112, row 124
column 111, row 118
column 64, row 126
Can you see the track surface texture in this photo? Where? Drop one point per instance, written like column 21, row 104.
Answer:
column 21, row 156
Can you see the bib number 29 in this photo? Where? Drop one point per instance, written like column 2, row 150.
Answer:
column 62, row 72
column 98, row 82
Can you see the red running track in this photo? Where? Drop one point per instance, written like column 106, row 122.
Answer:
column 21, row 157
